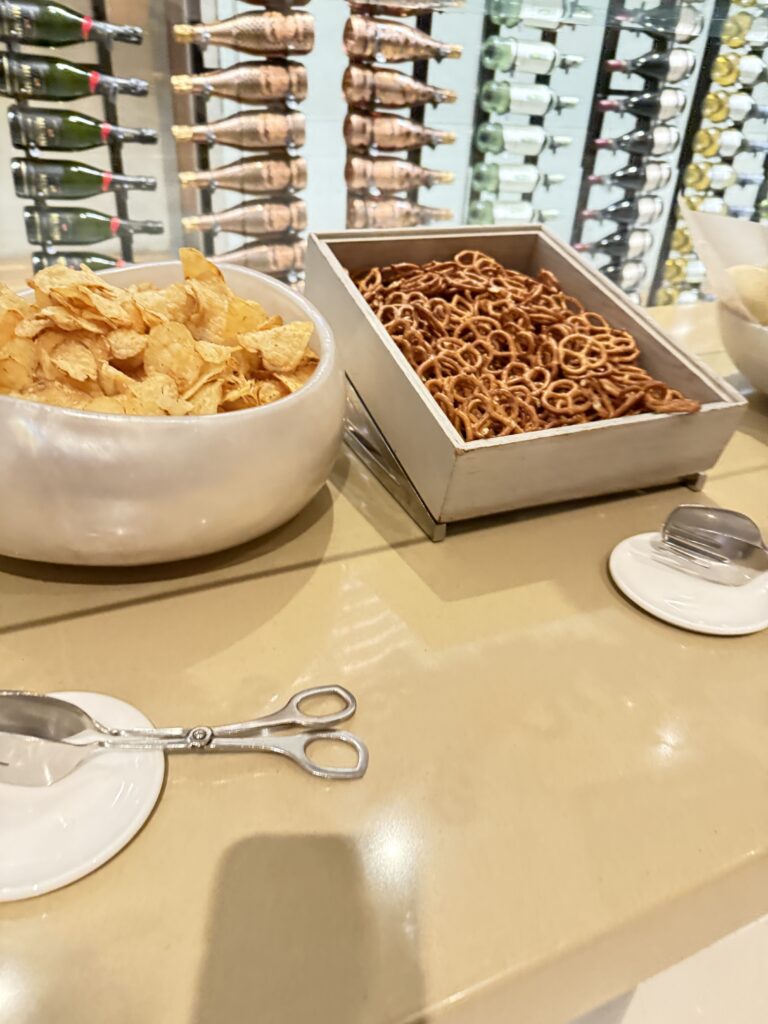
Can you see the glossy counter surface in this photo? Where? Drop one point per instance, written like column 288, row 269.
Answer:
column 564, row 795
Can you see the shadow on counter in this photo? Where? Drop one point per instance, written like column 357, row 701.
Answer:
column 293, row 936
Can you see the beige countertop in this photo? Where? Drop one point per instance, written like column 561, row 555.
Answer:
column 564, row 794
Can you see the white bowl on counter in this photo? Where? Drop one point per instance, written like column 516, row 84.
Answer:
column 747, row 344
column 96, row 489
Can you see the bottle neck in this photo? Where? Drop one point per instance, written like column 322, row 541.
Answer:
column 107, row 85
column 102, row 32
column 146, row 136
column 132, row 181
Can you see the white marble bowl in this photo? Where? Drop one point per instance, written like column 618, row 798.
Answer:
column 747, row 345
column 95, row 489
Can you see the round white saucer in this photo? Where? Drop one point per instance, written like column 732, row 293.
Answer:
column 685, row 600
column 53, row 835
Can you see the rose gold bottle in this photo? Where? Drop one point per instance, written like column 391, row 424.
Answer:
column 381, row 87
column 389, row 175
column 403, row 8
column 249, row 82
column 260, row 218
column 368, row 39
column 386, row 212
column 388, row 131
column 277, row 174
column 253, row 129
column 269, row 259
column 267, row 33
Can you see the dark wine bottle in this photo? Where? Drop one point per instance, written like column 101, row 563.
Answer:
column 50, row 128
column 672, row 66
column 679, row 22
column 637, row 210
column 645, row 177
column 656, row 141
column 619, row 245
column 67, row 225
column 66, row 179
column 50, row 78
column 52, row 24
column 92, row 260
column 655, row 106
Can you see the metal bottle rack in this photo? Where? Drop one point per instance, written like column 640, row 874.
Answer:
column 420, row 72
column 114, row 146
column 190, row 109
column 703, row 85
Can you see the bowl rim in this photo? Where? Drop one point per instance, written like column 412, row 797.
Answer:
column 324, row 366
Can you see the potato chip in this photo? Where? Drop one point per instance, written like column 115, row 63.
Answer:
column 282, row 348
column 171, row 350
column 197, row 268
column 113, row 381
column 18, row 361
column 125, row 343
column 103, row 403
column 243, row 315
column 298, row 378
column 191, row 348
column 207, row 399
column 75, row 360
column 158, row 395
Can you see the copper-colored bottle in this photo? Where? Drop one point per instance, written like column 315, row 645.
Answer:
column 267, row 33
column 385, row 212
column 253, row 129
column 256, row 177
column 260, row 218
column 368, row 39
column 248, row 82
column 403, row 8
column 388, row 131
column 390, row 175
column 270, row 259
column 382, row 87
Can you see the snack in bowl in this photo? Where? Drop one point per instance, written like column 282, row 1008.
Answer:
column 191, row 348
column 90, row 488
column 504, row 353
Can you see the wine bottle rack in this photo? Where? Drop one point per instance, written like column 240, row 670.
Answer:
column 482, row 116
column 15, row 48
column 604, row 87
column 423, row 22
column 194, row 109
column 660, row 291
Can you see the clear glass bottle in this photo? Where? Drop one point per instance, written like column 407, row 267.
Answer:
column 484, row 211
column 526, row 140
column 508, row 54
column 503, row 179
column 512, row 98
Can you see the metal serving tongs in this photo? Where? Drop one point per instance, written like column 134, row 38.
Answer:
column 43, row 739
column 716, row 544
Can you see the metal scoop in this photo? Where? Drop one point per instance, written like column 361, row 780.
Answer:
column 716, row 543
column 43, row 739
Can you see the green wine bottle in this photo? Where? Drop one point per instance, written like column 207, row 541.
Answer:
column 52, row 24
column 92, row 260
column 66, row 225
column 50, row 78
column 66, row 179
column 49, row 128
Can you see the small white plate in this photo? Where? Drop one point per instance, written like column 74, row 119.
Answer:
column 53, row 835
column 684, row 600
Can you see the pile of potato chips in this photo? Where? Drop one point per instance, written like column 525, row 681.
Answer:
column 190, row 349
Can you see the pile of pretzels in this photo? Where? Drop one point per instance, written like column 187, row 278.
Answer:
column 503, row 353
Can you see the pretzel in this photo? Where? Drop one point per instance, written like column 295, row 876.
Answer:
column 503, row 353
